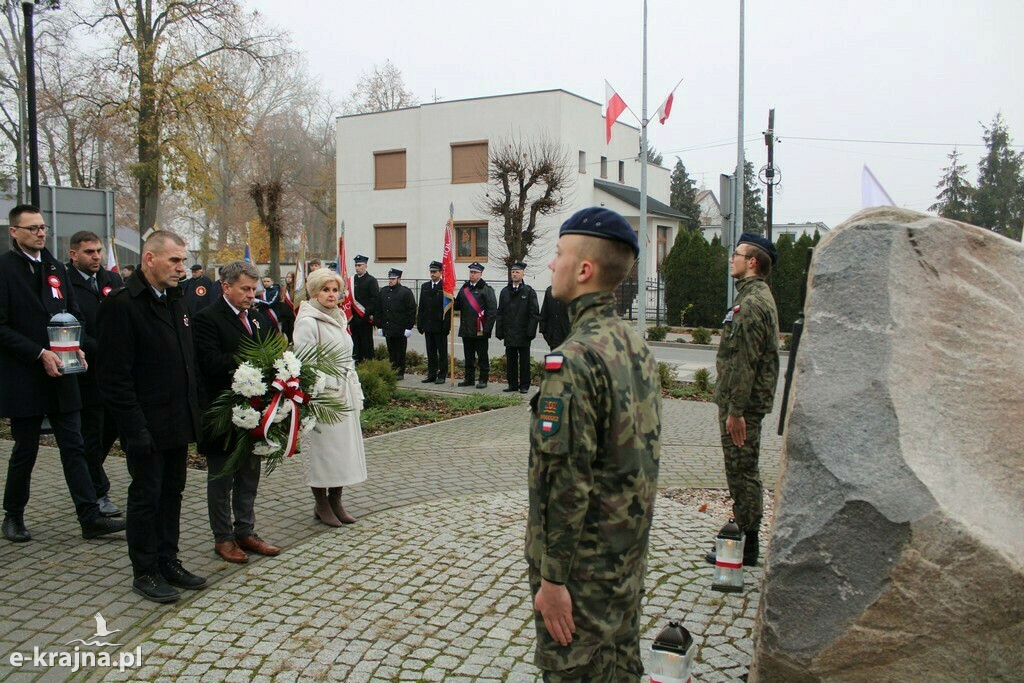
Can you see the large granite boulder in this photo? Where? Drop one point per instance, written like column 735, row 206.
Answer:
column 897, row 552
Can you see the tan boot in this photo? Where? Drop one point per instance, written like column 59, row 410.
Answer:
column 334, row 498
column 322, row 510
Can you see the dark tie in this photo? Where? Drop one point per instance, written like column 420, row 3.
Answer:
column 92, row 282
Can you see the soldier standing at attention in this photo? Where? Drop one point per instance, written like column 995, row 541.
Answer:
column 748, row 368
column 595, row 440
column 477, row 305
column 396, row 319
column 365, row 299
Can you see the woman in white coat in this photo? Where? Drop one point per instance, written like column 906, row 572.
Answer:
column 333, row 454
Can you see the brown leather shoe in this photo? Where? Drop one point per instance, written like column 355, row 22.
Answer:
column 229, row 550
column 255, row 544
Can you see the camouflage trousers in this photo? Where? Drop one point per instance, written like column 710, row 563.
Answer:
column 606, row 645
column 742, row 473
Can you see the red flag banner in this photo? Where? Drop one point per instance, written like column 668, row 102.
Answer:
column 665, row 109
column 448, row 267
column 346, row 301
column 614, row 105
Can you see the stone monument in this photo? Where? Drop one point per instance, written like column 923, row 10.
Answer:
column 897, row 552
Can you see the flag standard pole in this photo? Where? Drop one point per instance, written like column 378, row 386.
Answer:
column 641, row 271
column 451, row 318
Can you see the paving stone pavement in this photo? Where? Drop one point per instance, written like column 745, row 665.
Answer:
column 51, row 587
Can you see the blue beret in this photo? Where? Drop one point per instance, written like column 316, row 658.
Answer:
column 598, row 221
column 435, row 265
column 474, row 266
column 394, row 272
column 360, row 258
column 761, row 243
column 518, row 265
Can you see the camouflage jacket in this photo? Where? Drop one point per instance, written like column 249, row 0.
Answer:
column 748, row 356
column 595, row 440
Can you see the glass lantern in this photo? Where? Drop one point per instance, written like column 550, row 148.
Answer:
column 65, row 333
column 672, row 655
column 729, row 559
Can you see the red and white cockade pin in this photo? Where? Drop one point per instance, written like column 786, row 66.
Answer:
column 107, row 290
column 553, row 362
column 54, row 283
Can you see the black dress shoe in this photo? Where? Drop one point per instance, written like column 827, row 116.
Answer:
column 481, row 385
column 102, row 526
column 525, row 390
column 427, row 380
column 510, row 389
column 399, row 377
column 466, row 383
column 154, row 587
column 176, row 575
column 107, row 508
column 15, row 531
column 440, row 380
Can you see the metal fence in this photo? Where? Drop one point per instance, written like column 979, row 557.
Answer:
column 628, row 298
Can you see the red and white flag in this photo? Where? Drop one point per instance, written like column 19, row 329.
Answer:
column 346, row 302
column 111, row 260
column 666, row 107
column 614, row 105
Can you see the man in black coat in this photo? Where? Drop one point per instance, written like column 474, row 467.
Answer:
column 272, row 305
column 518, row 315
column 396, row 318
column 92, row 284
column 365, row 302
column 554, row 320
column 148, row 379
column 199, row 291
column 34, row 287
column 477, row 307
column 219, row 330
column 434, row 324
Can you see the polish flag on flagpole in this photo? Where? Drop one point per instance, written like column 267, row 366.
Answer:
column 111, row 259
column 666, row 107
column 614, row 105
column 871, row 191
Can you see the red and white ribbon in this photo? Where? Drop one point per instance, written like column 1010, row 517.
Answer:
column 54, row 283
column 60, row 347
column 287, row 390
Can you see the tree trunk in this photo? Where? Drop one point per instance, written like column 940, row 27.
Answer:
column 148, row 169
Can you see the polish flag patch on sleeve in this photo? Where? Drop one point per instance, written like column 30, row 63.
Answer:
column 553, row 362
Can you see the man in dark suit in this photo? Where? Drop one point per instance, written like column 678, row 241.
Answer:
column 365, row 301
column 396, row 319
column 148, row 381
column 219, row 331
column 477, row 305
column 34, row 287
column 554, row 320
column 199, row 291
column 434, row 324
column 93, row 283
column 518, row 315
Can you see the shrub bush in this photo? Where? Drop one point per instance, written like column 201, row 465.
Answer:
column 787, row 342
column 378, row 380
column 380, row 352
column 701, row 335
column 656, row 333
column 414, row 359
column 498, row 365
column 702, row 380
column 667, row 375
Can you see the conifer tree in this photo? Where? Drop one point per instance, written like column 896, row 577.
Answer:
column 955, row 191
column 998, row 202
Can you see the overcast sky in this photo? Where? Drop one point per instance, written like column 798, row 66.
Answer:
column 894, row 70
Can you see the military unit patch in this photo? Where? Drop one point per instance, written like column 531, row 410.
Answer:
column 553, row 362
column 200, row 291
column 732, row 311
column 549, row 415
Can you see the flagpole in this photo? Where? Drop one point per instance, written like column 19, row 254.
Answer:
column 641, row 271
column 451, row 318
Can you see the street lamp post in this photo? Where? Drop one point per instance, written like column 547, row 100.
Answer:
column 28, row 6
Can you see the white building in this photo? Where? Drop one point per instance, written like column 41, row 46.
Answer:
column 399, row 170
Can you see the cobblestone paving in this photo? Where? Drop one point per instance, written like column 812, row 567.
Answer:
column 51, row 586
column 429, row 592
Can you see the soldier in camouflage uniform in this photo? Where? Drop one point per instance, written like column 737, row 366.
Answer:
column 594, row 447
column 748, row 368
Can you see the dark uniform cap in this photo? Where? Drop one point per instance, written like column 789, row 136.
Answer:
column 196, row 267
column 598, row 221
column 519, row 265
column 360, row 258
column 476, row 267
column 761, row 243
column 435, row 265
column 394, row 272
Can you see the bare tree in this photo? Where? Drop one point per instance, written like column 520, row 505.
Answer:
column 163, row 47
column 381, row 89
column 526, row 181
